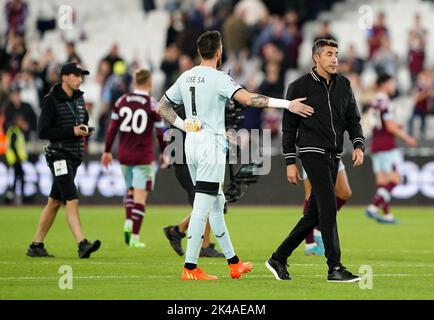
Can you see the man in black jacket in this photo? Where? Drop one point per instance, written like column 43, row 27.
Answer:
column 320, row 139
column 63, row 121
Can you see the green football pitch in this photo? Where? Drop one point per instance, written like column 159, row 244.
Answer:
column 401, row 257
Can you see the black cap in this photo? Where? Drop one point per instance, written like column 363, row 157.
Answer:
column 73, row 68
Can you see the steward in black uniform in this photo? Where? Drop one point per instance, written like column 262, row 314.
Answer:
column 63, row 121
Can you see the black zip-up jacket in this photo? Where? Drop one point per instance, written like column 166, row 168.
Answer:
column 59, row 115
column 335, row 112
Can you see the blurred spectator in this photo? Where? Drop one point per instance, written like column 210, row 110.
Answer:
column 186, row 40
column 292, row 50
column 385, row 60
column 51, row 78
column 324, row 32
column 376, row 34
column 364, row 96
column 72, row 55
column 16, row 12
column 419, row 29
column 423, row 97
column 5, row 84
column 104, row 72
column 416, row 55
column 113, row 56
column 275, row 33
column 116, row 85
column 29, row 89
column 185, row 63
column 45, row 17
column 236, row 33
column 271, row 53
column 272, row 85
column 4, row 60
column 220, row 12
column 241, row 69
column 17, row 107
column 148, row 5
column 254, row 11
column 173, row 30
column 16, row 154
column 15, row 52
column 352, row 60
column 170, row 65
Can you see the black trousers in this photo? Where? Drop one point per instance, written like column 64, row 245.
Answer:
column 18, row 176
column 322, row 172
column 183, row 176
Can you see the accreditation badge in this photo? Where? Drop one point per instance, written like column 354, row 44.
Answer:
column 60, row 168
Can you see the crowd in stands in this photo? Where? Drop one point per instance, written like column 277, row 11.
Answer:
column 262, row 41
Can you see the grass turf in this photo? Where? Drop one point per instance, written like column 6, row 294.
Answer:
column 401, row 257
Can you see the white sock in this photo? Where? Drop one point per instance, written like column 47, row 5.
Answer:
column 316, row 233
column 373, row 208
column 128, row 223
column 196, row 228
column 218, row 227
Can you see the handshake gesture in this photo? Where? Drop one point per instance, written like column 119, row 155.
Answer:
column 296, row 106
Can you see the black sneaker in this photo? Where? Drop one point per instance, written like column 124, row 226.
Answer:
column 210, row 252
column 278, row 269
column 85, row 248
column 174, row 236
column 37, row 250
column 341, row 274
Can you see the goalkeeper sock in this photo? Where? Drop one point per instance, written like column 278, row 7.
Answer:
column 196, row 228
column 218, row 227
column 233, row 260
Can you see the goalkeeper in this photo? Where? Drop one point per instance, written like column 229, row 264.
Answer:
column 176, row 233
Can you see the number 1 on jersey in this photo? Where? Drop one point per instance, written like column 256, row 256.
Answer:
column 193, row 100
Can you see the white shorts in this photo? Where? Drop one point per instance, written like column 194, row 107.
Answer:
column 304, row 174
column 206, row 159
column 386, row 161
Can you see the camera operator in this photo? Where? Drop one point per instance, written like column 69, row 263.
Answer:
column 63, row 121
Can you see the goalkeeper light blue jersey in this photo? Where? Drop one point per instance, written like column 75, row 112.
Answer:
column 204, row 92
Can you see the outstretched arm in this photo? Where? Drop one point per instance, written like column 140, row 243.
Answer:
column 165, row 110
column 260, row 101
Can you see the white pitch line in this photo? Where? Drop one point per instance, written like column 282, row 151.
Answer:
column 313, row 265
column 177, row 277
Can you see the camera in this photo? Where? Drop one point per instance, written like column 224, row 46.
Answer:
column 244, row 175
column 233, row 114
column 240, row 181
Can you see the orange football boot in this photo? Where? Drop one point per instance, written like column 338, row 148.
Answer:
column 239, row 268
column 196, row 274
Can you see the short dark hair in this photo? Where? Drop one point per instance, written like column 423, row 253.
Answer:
column 383, row 78
column 208, row 43
column 321, row 43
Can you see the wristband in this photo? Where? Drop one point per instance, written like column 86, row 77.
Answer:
column 278, row 103
column 179, row 123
